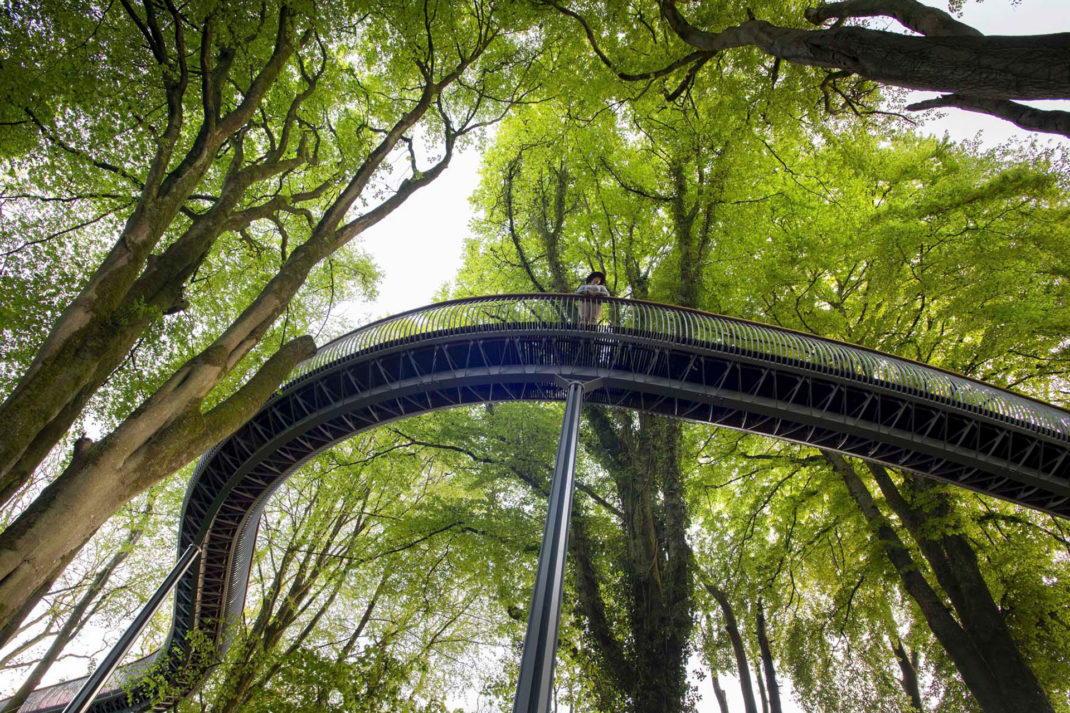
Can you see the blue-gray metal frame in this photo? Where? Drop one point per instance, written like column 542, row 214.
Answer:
column 535, row 683
column 656, row 358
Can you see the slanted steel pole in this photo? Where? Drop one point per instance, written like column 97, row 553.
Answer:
column 536, row 682
column 84, row 698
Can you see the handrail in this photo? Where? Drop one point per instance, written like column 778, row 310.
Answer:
column 554, row 311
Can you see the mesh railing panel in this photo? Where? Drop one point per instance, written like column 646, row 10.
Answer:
column 674, row 324
column 60, row 694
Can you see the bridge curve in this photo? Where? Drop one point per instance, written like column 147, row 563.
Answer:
column 668, row 360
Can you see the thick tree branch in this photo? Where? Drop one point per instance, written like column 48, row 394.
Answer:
column 1049, row 121
column 992, row 67
column 910, row 14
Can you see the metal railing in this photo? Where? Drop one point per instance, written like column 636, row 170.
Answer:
column 560, row 312
column 60, row 694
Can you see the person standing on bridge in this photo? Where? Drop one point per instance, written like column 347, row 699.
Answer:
column 592, row 290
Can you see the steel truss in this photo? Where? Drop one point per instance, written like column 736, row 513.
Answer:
column 679, row 363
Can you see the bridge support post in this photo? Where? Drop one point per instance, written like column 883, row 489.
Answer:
column 84, row 698
column 535, row 686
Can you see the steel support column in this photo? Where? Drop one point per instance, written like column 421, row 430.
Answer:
column 535, row 687
column 84, row 698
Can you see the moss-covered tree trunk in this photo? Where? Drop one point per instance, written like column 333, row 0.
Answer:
column 643, row 457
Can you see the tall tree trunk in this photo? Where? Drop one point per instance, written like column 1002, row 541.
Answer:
column 642, row 459
column 732, row 627
column 761, row 687
column 908, row 667
column 95, row 331
column 608, row 648
column 644, row 462
column 36, row 547
column 168, row 429
column 954, row 563
column 992, row 670
column 771, row 686
column 719, row 694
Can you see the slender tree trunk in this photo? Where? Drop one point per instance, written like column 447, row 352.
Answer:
column 761, row 687
column 719, row 694
column 908, row 667
column 608, row 648
column 771, row 686
column 732, row 627
column 314, row 572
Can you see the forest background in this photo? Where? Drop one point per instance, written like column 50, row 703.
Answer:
column 417, row 605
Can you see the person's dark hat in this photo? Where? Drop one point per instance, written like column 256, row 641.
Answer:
column 596, row 273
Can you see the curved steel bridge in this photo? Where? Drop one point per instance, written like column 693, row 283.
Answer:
column 667, row 360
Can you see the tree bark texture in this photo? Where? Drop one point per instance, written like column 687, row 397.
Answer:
column 976, row 72
column 740, row 651
column 1049, row 121
column 977, row 642
column 908, row 668
column 644, row 462
column 96, row 330
column 642, row 456
column 988, row 67
column 771, row 686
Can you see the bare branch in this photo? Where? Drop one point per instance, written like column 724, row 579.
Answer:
column 104, row 165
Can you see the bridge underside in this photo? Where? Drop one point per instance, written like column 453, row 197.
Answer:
column 779, row 397
column 729, row 390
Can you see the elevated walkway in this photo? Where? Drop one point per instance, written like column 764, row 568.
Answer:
column 676, row 362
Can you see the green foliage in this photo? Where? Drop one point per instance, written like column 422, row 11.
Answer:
column 727, row 190
column 939, row 252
